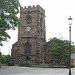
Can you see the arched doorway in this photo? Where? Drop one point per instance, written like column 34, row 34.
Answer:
column 27, row 59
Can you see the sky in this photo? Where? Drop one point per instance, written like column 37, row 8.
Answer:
column 57, row 13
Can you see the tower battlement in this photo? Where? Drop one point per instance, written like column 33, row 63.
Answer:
column 32, row 8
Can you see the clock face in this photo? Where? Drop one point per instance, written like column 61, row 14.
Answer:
column 28, row 28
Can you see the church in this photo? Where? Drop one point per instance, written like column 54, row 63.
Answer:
column 31, row 44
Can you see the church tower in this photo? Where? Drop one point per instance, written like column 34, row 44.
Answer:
column 31, row 35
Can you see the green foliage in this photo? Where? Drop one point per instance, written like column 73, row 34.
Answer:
column 73, row 65
column 59, row 51
column 73, row 48
column 5, row 59
column 8, row 59
column 8, row 17
column 59, row 47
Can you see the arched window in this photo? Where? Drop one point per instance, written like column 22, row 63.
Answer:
column 27, row 47
column 28, row 19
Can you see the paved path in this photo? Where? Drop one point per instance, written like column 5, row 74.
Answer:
column 33, row 71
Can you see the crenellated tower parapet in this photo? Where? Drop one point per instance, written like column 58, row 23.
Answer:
column 32, row 9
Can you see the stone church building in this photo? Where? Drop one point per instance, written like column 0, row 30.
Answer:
column 31, row 44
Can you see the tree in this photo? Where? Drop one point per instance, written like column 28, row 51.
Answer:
column 8, row 17
column 60, row 50
column 6, row 59
column 3, row 59
column 59, row 47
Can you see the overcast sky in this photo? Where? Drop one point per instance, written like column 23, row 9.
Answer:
column 57, row 13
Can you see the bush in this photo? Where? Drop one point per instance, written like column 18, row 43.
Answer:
column 73, row 65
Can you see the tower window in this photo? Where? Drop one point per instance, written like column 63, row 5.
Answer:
column 41, row 20
column 28, row 19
